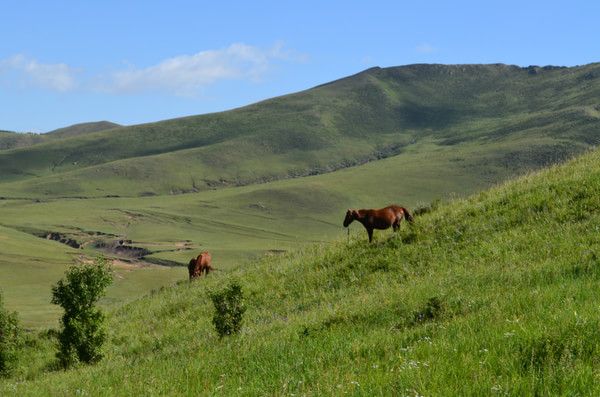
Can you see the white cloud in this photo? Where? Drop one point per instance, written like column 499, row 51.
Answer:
column 22, row 70
column 179, row 75
column 186, row 74
column 425, row 48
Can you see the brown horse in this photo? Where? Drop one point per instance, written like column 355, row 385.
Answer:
column 200, row 265
column 378, row 219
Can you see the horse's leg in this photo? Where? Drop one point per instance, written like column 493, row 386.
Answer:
column 396, row 224
column 370, row 233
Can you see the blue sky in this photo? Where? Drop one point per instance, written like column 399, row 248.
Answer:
column 65, row 62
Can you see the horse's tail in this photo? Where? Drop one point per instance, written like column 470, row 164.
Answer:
column 407, row 215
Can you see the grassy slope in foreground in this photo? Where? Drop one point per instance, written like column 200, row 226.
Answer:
column 493, row 294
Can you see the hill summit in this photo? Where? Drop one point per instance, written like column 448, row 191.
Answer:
column 82, row 128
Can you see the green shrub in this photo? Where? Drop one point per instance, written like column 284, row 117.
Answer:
column 82, row 333
column 10, row 337
column 229, row 309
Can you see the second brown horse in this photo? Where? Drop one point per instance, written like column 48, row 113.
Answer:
column 381, row 218
column 200, row 265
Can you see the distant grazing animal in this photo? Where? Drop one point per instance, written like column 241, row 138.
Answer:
column 200, row 265
column 378, row 219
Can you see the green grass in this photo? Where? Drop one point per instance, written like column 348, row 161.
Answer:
column 494, row 294
column 29, row 266
column 406, row 135
column 498, row 289
column 235, row 224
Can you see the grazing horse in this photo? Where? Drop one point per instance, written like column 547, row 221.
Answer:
column 378, row 219
column 200, row 265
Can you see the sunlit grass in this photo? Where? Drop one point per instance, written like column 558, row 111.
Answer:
column 494, row 294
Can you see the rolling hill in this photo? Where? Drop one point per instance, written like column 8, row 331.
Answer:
column 539, row 115
column 12, row 140
column 81, row 129
column 492, row 294
column 235, row 224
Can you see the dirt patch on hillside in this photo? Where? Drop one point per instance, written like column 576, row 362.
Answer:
column 121, row 248
column 117, row 263
column 63, row 239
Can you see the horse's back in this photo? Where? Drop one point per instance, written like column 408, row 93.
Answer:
column 204, row 258
column 395, row 208
column 390, row 214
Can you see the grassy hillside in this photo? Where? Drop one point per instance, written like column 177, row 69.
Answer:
column 30, row 265
column 80, row 129
column 550, row 112
column 12, row 140
column 408, row 135
column 235, row 224
column 494, row 294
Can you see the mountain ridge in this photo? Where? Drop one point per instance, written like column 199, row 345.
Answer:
column 340, row 122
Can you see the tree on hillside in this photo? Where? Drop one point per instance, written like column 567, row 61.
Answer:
column 83, row 333
column 10, row 337
column 229, row 309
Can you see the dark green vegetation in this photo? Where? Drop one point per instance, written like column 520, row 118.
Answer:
column 82, row 334
column 229, row 309
column 530, row 116
column 10, row 338
column 494, row 294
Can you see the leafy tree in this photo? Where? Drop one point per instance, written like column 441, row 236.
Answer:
column 10, row 338
column 82, row 334
column 229, row 309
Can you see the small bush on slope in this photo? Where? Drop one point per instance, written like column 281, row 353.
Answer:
column 10, row 338
column 229, row 309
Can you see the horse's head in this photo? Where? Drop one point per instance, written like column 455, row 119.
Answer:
column 350, row 216
column 192, row 267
